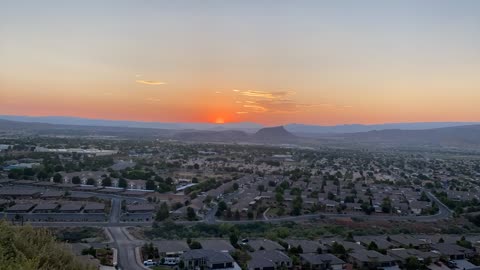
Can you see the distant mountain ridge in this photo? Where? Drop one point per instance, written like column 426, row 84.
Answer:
column 275, row 134
column 265, row 135
column 465, row 137
column 243, row 126
column 355, row 128
column 65, row 120
column 458, row 136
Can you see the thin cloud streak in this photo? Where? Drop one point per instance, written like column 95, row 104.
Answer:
column 150, row 82
column 266, row 94
column 277, row 102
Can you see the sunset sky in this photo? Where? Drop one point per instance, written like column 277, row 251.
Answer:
column 270, row 62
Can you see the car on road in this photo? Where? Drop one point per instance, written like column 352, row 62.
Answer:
column 149, row 263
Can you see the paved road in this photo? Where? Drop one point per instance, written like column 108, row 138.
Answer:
column 126, row 246
column 115, row 210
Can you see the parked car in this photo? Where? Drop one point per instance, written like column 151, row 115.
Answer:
column 149, row 263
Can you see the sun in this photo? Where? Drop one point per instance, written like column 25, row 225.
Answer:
column 219, row 120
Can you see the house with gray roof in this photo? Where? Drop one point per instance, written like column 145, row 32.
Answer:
column 171, row 250
column 140, row 208
column 19, row 193
column 46, row 208
column 326, row 261
column 52, row 194
column 453, row 251
column 380, row 241
column 402, row 254
column 94, row 208
column 71, row 208
column 370, row 259
column 308, row 246
column 269, row 260
column 264, row 244
column 21, row 208
column 207, row 259
column 171, row 247
column 216, row 244
column 409, row 241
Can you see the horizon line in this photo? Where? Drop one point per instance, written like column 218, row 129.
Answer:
column 243, row 122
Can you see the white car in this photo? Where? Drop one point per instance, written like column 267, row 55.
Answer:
column 149, row 263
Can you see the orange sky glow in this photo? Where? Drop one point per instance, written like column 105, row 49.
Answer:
column 215, row 62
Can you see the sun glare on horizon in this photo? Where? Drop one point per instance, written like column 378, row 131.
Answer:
column 219, row 120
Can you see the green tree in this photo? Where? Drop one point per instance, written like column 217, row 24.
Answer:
column 464, row 243
column 279, row 198
column 57, row 178
column 163, row 212
column 233, row 239
column 191, row 215
column 76, row 180
column 195, row 245
column 122, row 183
column 297, row 206
column 26, row 248
column 42, row 175
column 386, row 205
column 91, row 181
column 222, row 206
column 150, row 185
column 338, row 249
column 372, row 246
column 235, row 186
column 107, row 182
column 412, row 263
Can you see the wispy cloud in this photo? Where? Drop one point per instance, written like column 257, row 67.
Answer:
column 256, row 101
column 150, row 82
column 266, row 94
column 255, row 108
column 242, row 112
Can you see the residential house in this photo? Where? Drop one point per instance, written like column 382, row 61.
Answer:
column 417, row 207
column 321, row 262
column 207, row 259
column 21, row 208
column 171, row 250
column 216, row 245
column 140, row 208
column 402, row 254
column 307, row 246
column 46, row 208
column 453, row 251
column 269, row 260
column 264, row 244
column 370, row 259
column 94, row 208
column 409, row 241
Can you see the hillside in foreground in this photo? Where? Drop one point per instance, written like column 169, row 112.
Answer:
column 27, row 248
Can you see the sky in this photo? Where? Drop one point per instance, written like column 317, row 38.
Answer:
column 270, row 62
